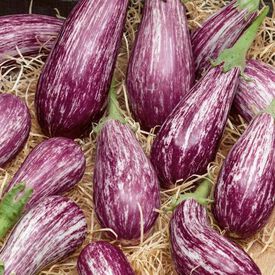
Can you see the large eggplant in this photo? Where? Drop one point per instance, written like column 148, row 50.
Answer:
column 198, row 249
column 126, row 187
column 161, row 69
column 245, row 192
column 101, row 258
column 46, row 234
column 53, row 167
column 29, row 33
column 15, row 124
column 188, row 140
column 256, row 89
column 221, row 31
column 74, row 83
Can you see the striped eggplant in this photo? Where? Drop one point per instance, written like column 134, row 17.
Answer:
column 161, row 68
column 30, row 33
column 74, row 83
column 126, row 188
column 49, row 232
column 245, row 191
column 198, row 249
column 188, row 140
column 101, row 258
column 15, row 124
column 221, row 31
column 256, row 89
column 54, row 166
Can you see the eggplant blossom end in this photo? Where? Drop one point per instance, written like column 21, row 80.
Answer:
column 11, row 207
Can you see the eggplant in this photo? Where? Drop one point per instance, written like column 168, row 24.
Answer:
column 189, row 139
column 245, row 191
column 161, row 66
column 49, row 232
column 198, row 249
column 221, row 31
column 101, row 258
column 256, row 89
column 15, row 124
column 53, row 167
column 74, row 82
column 30, row 33
column 126, row 188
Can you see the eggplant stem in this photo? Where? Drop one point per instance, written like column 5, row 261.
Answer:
column 235, row 57
column 250, row 5
column 12, row 208
column 2, row 268
column 270, row 109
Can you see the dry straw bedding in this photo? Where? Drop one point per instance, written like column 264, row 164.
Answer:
column 152, row 255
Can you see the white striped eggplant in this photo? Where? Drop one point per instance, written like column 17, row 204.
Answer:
column 161, row 67
column 28, row 32
column 126, row 187
column 15, row 124
column 101, row 258
column 256, row 90
column 245, row 191
column 74, row 83
column 49, row 232
column 198, row 249
column 188, row 140
column 221, row 31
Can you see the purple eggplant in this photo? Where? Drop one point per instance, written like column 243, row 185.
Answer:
column 74, row 83
column 221, row 31
column 188, row 140
column 15, row 124
column 49, row 232
column 245, row 191
column 28, row 32
column 161, row 68
column 256, row 89
column 53, row 167
column 126, row 187
column 198, row 249
column 101, row 258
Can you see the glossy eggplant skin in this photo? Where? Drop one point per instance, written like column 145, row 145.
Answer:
column 198, row 249
column 74, row 83
column 256, row 90
column 49, row 232
column 188, row 140
column 245, row 191
column 161, row 66
column 218, row 33
column 101, row 258
column 15, row 124
column 53, row 167
column 126, row 187
column 30, row 34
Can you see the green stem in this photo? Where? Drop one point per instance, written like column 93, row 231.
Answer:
column 236, row 56
column 2, row 268
column 270, row 109
column 12, row 208
column 250, row 5
column 200, row 195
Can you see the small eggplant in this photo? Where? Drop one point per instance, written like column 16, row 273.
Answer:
column 188, row 140
column 101, row 258
column 221, row 31
column 15, row 124
column 245, row 191
column 126, row 187
column 256, row 90
column 198, row 249
column 49, row 232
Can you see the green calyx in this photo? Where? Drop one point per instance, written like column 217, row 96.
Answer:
column 12, row 206
column 2, row 268
column 235, row 57
column 200, row 195
column 249, row 5
column 270, row 109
